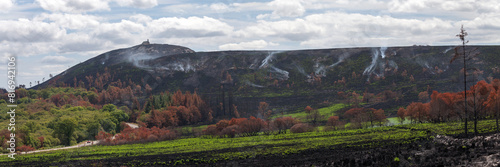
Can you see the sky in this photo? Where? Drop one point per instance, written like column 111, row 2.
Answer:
column 49, row 36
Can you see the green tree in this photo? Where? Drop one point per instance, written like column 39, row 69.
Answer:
column 93, row 129
column 64, row 130
column 108, row 125
column 108, row 108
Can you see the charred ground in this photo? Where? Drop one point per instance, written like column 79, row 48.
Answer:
column 287, row 80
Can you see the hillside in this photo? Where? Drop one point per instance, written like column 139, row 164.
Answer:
column 287, row 80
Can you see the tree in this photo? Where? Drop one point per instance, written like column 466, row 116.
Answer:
column 333, row 122
column 480, row 93
column 356, row 116
column 65, row 129
column 401, row 115
column 494, row 105
column 380, row 117
column 262, row 109
column 461, row 51
column 423, row 96
column 108, row 108
column 93, row 129
column 283, row 123
column 418, row 112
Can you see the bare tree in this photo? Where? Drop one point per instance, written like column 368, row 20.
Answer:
column 467, row 55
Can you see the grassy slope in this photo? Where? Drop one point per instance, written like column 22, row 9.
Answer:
column 206, row 150
column 326, row 112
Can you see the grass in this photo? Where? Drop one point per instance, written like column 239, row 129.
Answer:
column 395, row 121
column 208, row 149
column 326, row 112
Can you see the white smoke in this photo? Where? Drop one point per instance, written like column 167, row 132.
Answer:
column 267, row 60
column 252, row 84
column 184, row 66
column 447, row 49
column 283, row 74
column 138, row 60
column 321, row 69
column 141, row 60
column 382, row 52
column 393, row 64
column 301, row 70
column 254, row 65
column 369, row 70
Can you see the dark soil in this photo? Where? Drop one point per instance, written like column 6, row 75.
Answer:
column 439, row 151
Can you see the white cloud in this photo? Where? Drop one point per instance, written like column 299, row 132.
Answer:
column 256, row 44
column 287, row 8
column 73, row 6
column 71, row 21
column 219, row 7
column 138, row 3
column 5, row 5
column 56, row 60
column 29, row 31
column 173, row 27
column 140, row 18
column 343, row 29
column 294, row 30
column 425, row 6
column 123, row 32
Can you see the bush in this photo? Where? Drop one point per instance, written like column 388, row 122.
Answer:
column 25, row 148
column 211, row 130
column 283, row 123
column 301, row 128
column 236, row 126
column 230, row 131
column 138, row 135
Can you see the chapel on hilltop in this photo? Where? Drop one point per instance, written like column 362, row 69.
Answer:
column 145, row 42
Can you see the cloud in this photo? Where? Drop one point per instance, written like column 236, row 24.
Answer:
column 138, row 3
column 256, row 44
column 73, row 6
column 29, row 31
column 71, row 21
column 140, row 18
column 420, row 6
column 5, row 5
column 219, row 7
column 123, row 32
column 344, row 29
column 197, row 27
column 284, row 8
column 287, row 8
column 294, row 30
column 57, row 60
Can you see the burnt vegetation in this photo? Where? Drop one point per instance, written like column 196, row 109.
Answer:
column 173, row 93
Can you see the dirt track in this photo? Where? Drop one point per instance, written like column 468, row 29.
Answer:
column 82, row 144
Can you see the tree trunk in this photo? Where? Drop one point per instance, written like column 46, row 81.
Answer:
column 465, row 88
column 496, row 117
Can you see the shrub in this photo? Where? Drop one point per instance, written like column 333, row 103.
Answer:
column 25, row 148
column 138, row 135
column 210, row 130
column 230, row 131
column 301, row 128
column 283, row 123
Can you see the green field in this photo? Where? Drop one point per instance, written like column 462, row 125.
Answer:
column 325, row 112
column 207, row 149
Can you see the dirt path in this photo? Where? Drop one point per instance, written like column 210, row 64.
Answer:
column 133, row 125
column 82, row 144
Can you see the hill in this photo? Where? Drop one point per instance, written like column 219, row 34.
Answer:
column 287, row 80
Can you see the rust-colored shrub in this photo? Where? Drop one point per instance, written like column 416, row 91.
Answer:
column 301, row 128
